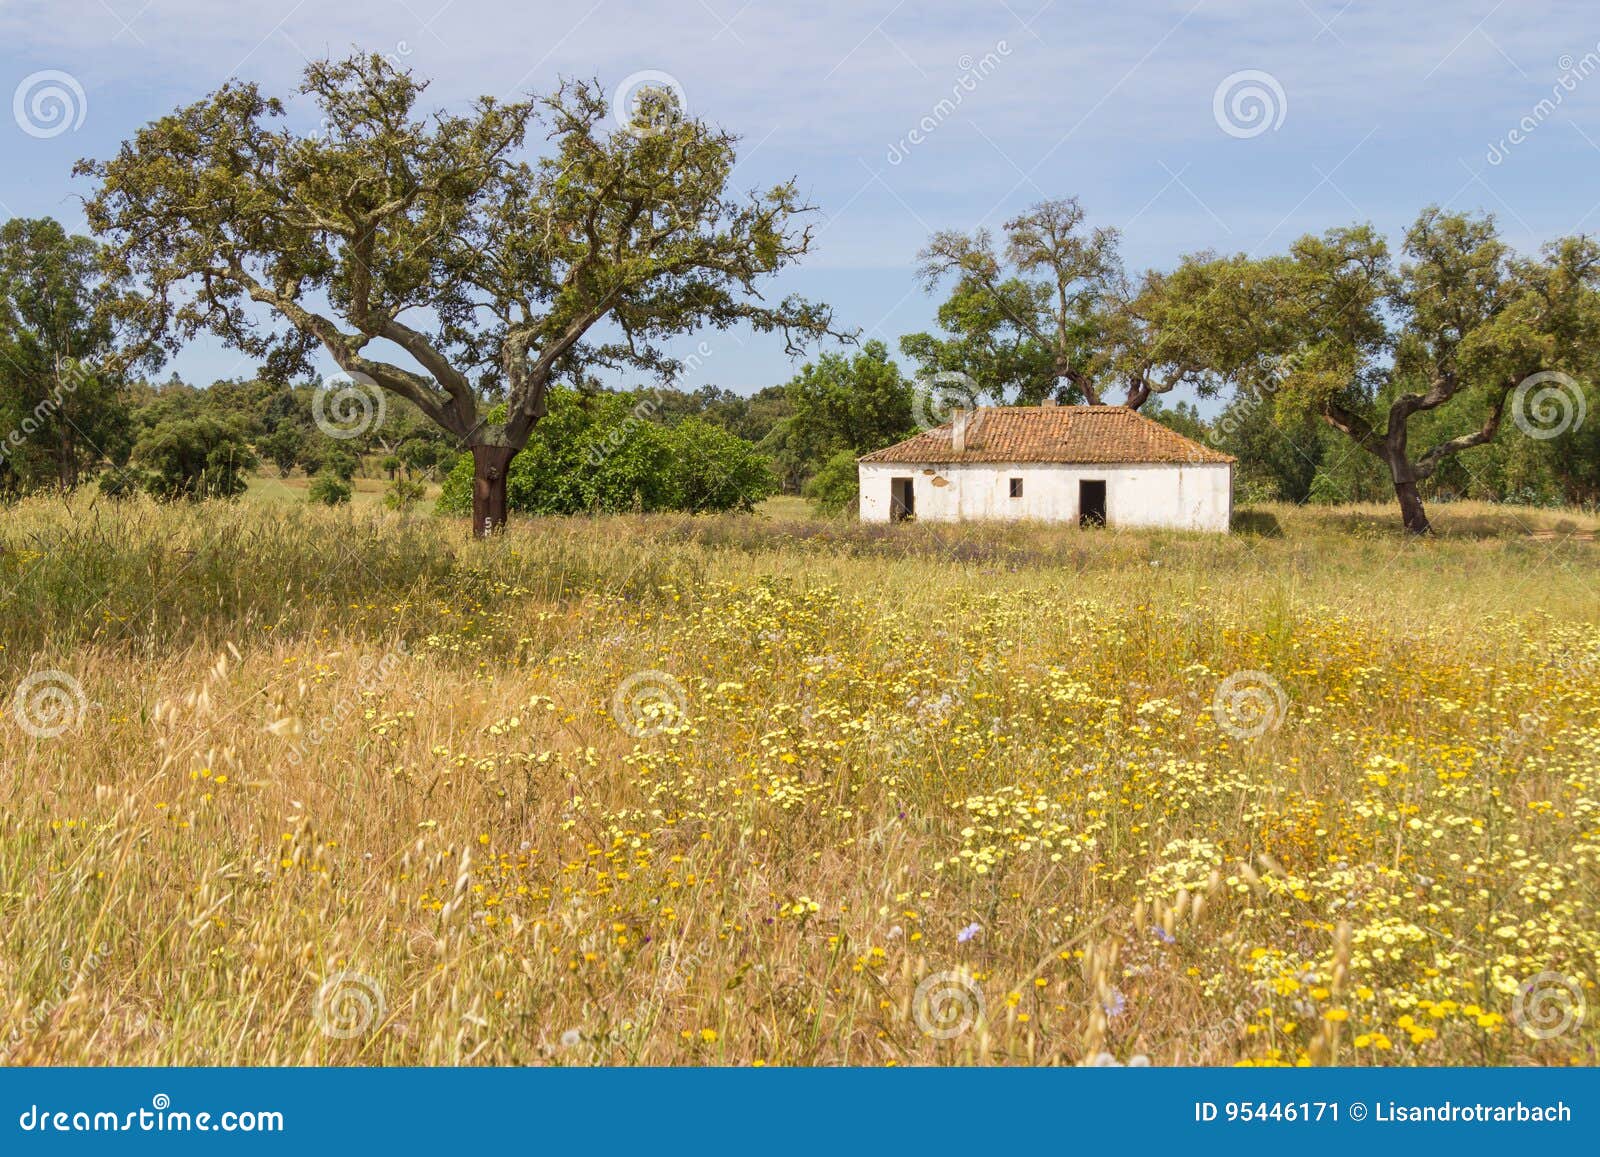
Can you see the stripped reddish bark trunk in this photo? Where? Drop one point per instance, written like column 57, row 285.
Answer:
column 1412, row 513
column 489, row 466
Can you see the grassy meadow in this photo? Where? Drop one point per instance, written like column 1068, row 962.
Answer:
column 285, row 785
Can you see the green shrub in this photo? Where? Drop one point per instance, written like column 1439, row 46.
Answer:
column 194, row 458
column 329, row 489
column 604, row 453
column 403, row 494
column 119, row 482
column 836, row 487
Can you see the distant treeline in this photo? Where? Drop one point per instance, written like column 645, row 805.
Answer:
column 600, row 448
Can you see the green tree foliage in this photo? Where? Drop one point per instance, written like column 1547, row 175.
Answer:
column 1277, row 460
column 283, row 447
column 1414, row 362
column 61, row 361
column 1052, row 313
column 836, row 487
column 339, row 460
column 605, row 452
column 194, row 458
column 494, row 272
column 419, row 455
column 843, row 402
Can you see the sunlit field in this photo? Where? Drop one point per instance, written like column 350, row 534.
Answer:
column 286, row 785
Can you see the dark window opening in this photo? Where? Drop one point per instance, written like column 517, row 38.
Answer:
column 902, row 499
column 1092, row 502
column 1016, row 488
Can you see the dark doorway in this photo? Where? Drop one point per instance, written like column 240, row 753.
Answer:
column 902, row 500
column 1092, row 502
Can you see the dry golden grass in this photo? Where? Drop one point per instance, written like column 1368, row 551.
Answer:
column 347, row 787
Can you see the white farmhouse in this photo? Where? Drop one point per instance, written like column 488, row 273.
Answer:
column 1093, row 465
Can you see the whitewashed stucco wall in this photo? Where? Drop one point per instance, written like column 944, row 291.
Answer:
column 1183, row 497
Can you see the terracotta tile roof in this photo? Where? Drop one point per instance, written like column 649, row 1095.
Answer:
column 1065, row 434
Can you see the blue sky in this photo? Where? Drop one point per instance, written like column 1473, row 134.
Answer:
column 1371, row 111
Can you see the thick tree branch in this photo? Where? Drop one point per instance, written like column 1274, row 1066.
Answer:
column 1429, row 461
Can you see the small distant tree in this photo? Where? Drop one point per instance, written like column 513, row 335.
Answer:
column 843, row 401
column 119, row 482
column 493, row 274
column 860, row 399
column 340, row 461
column 283, row 447
column 716, row 469
column 419, row 454
column 403, row 494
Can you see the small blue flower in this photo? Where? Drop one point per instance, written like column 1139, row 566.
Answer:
column 968, row 932
column 1117, row 1004
column 1164, row 936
